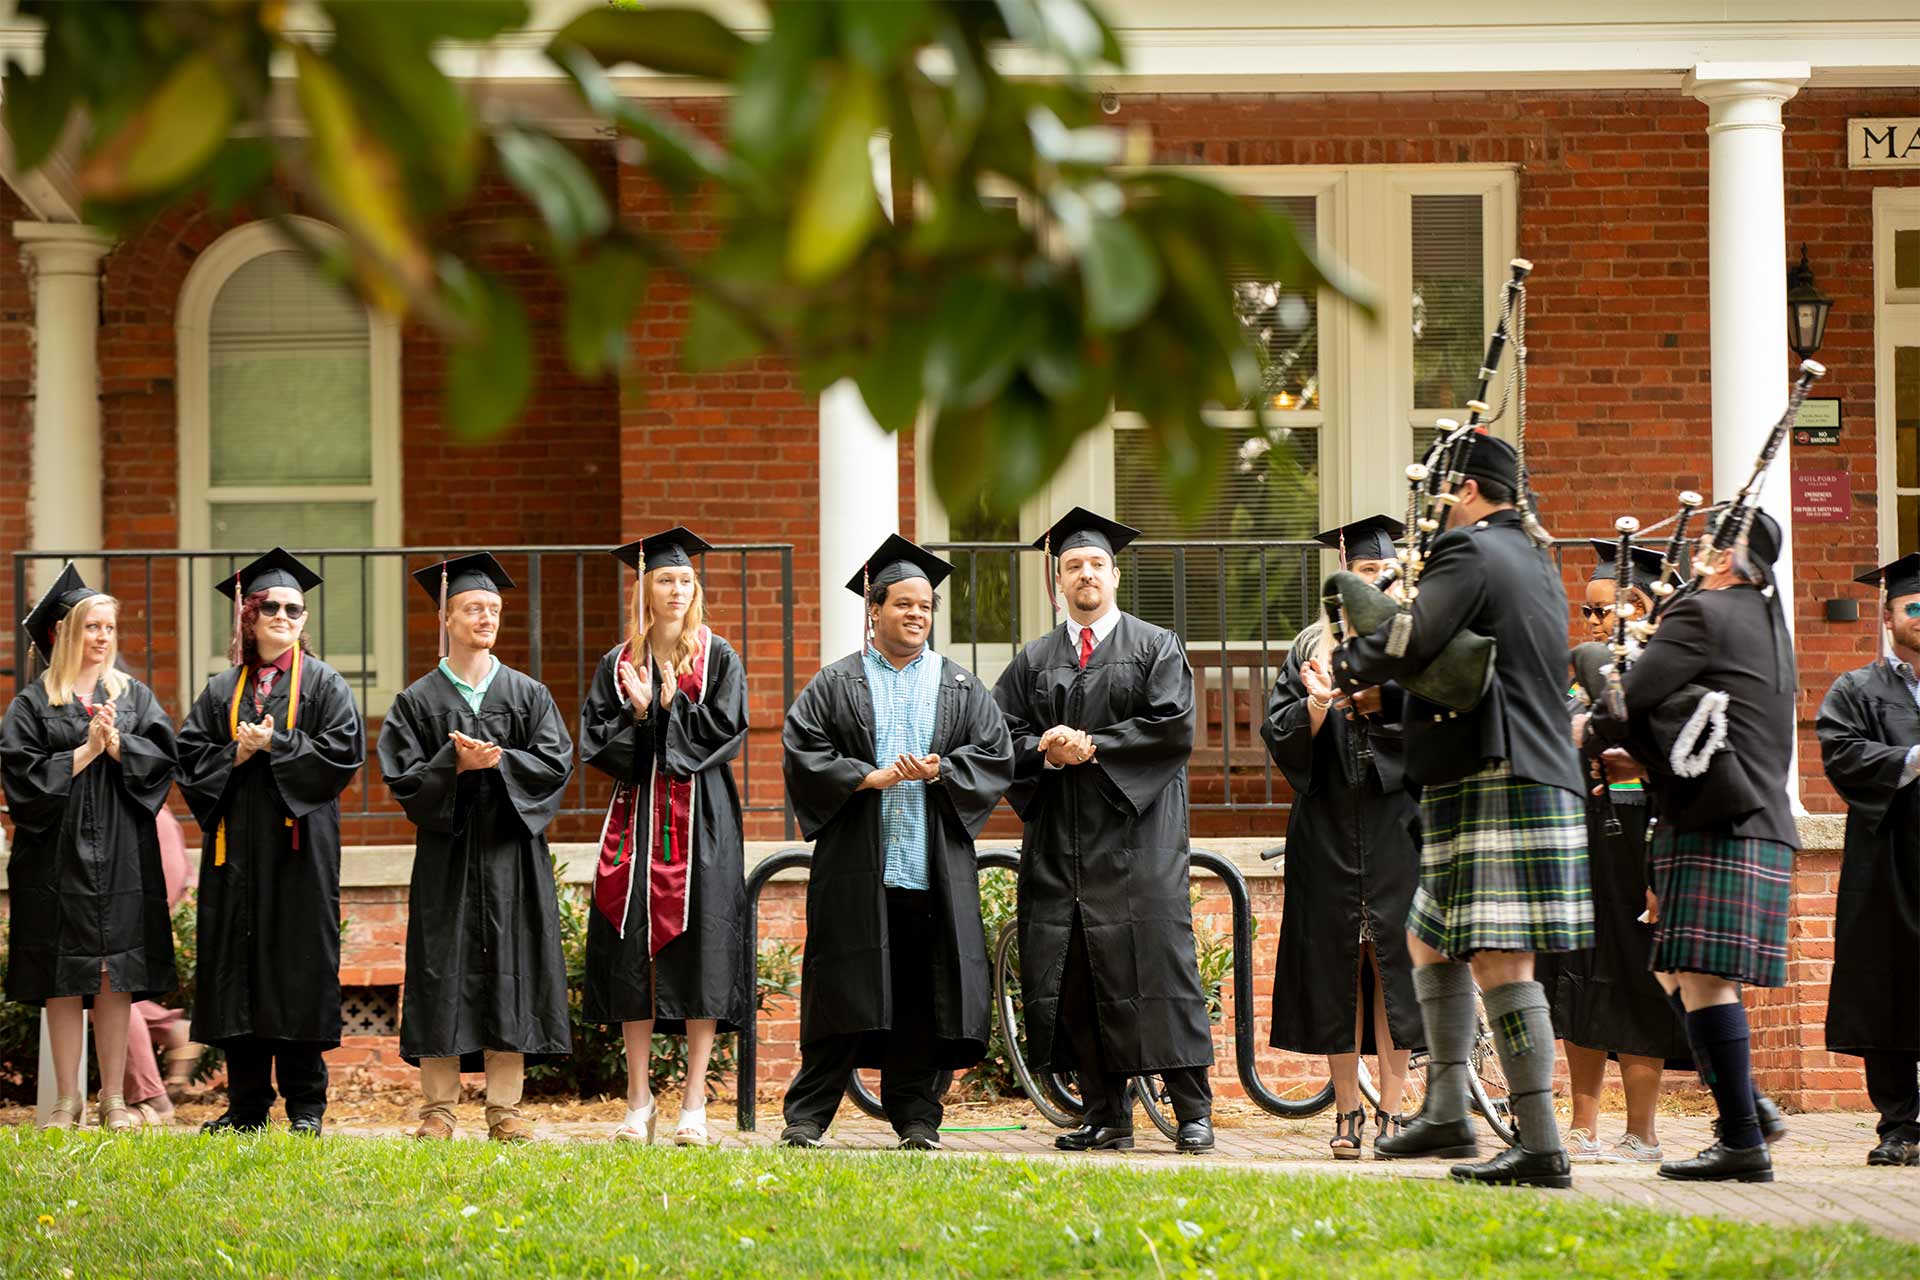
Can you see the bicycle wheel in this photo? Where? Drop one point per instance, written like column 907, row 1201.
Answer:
column 1051, row 1094
column 1150, row 1091
column 867, row 1098
column 1487, row 1080
column 1413, row 1092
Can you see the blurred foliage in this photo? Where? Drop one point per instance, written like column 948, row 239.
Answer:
column 1005, row 331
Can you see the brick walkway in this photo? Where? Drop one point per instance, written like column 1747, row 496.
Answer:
column 1821, row 1177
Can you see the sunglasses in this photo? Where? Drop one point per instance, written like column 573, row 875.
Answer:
column 1911, row 608
column 272, row 609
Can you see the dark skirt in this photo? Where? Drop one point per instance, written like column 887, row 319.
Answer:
column 1723, row 906
column 1607, row 998
column 1503, row 867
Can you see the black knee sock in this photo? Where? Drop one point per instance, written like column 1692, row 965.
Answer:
column 1720, row 1032
column 1700, row 1064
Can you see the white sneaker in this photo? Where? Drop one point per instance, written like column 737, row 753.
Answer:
column 1630, row 1150
column 1581, row 1145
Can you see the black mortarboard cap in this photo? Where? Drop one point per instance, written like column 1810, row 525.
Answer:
column 1368, row 539
column 1646, row 562
column 1900, row 577
column 68, row 590
column 477, row 572
column 1488, row 457
column 673, row 549
column 1083, row 528
column 896, row 560
column 277, row 568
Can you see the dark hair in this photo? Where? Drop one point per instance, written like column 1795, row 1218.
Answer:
column 877, row 595
column 1493, row 490
column 244, row 650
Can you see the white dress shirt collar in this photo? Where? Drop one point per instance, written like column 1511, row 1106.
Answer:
column 1102, row 628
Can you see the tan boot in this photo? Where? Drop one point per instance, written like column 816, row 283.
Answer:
column 434, row 1125
column 510, row 1128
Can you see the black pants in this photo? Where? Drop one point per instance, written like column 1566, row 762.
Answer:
column 910, row 1087
column 253, row 1064
column 1104, row 1091
column 1891, row 1084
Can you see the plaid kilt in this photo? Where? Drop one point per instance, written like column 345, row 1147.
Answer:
column 1503, row 867
column 1723, row 906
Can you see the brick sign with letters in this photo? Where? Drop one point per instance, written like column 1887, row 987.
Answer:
column 1884, row 143
column 1821, row 497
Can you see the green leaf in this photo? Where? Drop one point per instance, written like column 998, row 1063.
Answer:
column 778, row 96
column 716, row 337
column 980, row 332
column 1122, row 274
column 879, row 32
column 837, row 208
column 686, row 42
column 422, row 112
column 424, row 24
column 1028, row 446
column 490, row 370
column 168, row 139
column 959, row 457
column 557, row 183
column 602, row 292
column 243, row 166
column 890, row 380
column 678, row 157
column 37, row 107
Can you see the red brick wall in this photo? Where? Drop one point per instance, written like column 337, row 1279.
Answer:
column 16, row 390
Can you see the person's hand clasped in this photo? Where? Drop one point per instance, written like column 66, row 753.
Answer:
column 471, row 753
column 1365, row 701
column 251, row 739
column 1066, row 746
column 918, row 768
column 881, row 779
column 637, row 684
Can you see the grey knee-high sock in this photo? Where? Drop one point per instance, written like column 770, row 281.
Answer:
column 1446, row 1006
column 1523, row 1035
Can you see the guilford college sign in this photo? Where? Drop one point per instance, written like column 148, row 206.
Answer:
column 1884, row 144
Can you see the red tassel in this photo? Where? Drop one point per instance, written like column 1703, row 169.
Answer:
column 1046, row 566
column 239, row 646
column 443, row 609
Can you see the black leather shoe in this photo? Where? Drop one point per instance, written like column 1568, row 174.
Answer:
column 304, row 1126
column 1421, row 1137
column 801, row 1135
column 1518, row 1167
column 1723, row 1164
column 225, row 1123
column 1096, row 1138
column 1894, row 1151
column 920, row 1136
column 1195, row 1137
column 1773, row 1121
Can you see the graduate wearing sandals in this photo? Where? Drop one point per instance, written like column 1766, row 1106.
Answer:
column 266, row 751
column 86, row 757
column 665, row 717
column 1342, row 982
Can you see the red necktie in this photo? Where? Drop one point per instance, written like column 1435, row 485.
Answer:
column 1086, row 646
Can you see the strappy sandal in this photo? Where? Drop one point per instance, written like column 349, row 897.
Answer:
column 691, row 1131
column 1346, row 1134
column 639, row 1125
column 151, row 1117
column 63, row 1107
column 113, row 1104
column 1387, row 1126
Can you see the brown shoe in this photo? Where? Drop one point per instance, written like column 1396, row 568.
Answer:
column 434, row 1126
column 510, row 1129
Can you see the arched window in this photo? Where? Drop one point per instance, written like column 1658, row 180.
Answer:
column 289, row 435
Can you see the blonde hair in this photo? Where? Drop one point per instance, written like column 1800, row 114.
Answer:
column 640, row 622
column 63, row 668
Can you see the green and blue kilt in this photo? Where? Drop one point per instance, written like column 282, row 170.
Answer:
column 1503, row 867
column 1723, row 906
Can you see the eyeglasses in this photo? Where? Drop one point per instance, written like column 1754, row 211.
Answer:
column 1597, row 611
column 1911, row 609
column 272, row 609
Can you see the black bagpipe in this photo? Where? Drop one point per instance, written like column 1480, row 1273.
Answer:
column 1460, row 676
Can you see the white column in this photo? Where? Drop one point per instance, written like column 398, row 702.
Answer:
column 859, row 507
column 65, row 492
column 1747, row 266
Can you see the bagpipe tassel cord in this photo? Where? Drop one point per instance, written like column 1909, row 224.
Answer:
column 1514, row 302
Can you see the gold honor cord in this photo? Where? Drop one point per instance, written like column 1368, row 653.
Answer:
column 233, row 733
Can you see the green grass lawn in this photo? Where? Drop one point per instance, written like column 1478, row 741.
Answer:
column 79, row 1205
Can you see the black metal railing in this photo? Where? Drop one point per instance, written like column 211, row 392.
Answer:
column 568, row 607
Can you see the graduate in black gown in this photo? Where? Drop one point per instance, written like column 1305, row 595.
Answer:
column 266, row 751
column 1605, row 1002
column 1342, row 980
column 478, row 756
column 1869, row 730
column 87, row 758
column 894, row 759
column 1101, row 711
column 668, row 928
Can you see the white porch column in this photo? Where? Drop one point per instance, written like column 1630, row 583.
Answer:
column 859, row 507
column 1747, row 265
column 65, row 493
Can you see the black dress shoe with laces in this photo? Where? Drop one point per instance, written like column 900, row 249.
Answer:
column 1773, row 1121
column 1195, row 1137
column 1090, row 1137
column 1518, row 1167
column 1721, row 1163
column 801, row 1135
column 304, row 1126
column 920, row 1136
column 1895, row 1151
column 1421, row 1137
column 225, row 1123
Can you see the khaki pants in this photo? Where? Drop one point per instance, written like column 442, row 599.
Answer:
column 440, row 1082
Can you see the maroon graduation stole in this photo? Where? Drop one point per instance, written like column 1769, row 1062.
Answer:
column 666, row 844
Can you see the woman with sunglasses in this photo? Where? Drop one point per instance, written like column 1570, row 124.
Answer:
column 266, row 751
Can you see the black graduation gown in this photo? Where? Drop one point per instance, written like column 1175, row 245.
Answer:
column 1353, row 862
column 846, row 973
column 1107, row 841
column 1867, row 724
column 484, row 966
column 269, row 919
column 699, row 973
column 85, row 885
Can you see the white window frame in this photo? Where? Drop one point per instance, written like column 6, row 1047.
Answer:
column 385, row 580
column 1896, row 323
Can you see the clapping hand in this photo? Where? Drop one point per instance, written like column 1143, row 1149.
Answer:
column 471, row 753
column 1064, row 746
column 637, row 684
column 881, row 779
column 109, row 713
column 251, row 738
column 1319, row 683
